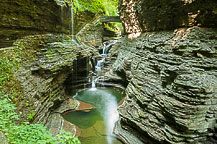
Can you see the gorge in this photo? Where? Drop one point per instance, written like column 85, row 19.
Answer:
column 59, row 64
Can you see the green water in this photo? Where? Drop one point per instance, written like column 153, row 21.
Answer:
column 95, row 125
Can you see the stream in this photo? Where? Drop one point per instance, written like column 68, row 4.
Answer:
column 95, row 125
column 96, row 119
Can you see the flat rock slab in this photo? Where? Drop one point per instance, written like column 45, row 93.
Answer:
column 85, row 106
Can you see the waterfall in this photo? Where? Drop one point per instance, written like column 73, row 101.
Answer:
column 62, row 11
column 72, row 22
column 106, row 47
column 93, row 85
column 99, row 65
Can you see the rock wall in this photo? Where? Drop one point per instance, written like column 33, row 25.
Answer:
column 172, row 90
column 171, row 74
column 147, row 15
column 44, row 64
column 159, row 15
column 27, row 17
column 24, row 17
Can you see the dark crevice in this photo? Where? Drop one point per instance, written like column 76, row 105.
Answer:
column 56, row 104
column 168, row 80
column 122, row 74
column 177, row 52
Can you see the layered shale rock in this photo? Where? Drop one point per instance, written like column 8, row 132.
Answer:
column 27, row 17
column 172, row 90
column 171, row 74
column 145, row 15
column 20, row 18
column 45, row 63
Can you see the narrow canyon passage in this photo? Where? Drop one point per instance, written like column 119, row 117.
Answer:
column 108, row 72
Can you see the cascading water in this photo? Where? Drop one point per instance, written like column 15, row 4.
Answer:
column 93, row 85
column 96, row 124
column 106, row 47
column 110, row 115
column 100, row 63
column 62, row 11
column 72, row 22
column 109, row 110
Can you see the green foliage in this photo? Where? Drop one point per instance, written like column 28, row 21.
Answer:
column 6, row 70
column 27, row 133
column 31, row 115
column 103, row 7
column 114, row 26
column 93, row 6
column 7, row 114
column 108, row 7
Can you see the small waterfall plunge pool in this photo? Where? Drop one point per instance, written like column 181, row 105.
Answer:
column 95, row 125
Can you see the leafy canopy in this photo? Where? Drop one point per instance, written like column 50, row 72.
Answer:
column 106, row 7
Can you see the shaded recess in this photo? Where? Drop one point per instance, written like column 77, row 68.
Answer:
column 148, row 15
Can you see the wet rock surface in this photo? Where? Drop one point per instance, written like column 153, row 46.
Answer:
column 20, row 18
column 172, row 86
column 28, row 17
column 91, row 35
column 45, row 64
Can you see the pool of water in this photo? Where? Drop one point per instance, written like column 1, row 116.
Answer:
column 96, row 125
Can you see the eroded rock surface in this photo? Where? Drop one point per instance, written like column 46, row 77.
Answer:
column 45, row 63
column 25, row 17
column 172, row 90
column 160, row 15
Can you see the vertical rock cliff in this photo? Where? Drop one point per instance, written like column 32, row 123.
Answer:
column 171, row 73
column 28, row 17
column 25, row 17
column 44, row 62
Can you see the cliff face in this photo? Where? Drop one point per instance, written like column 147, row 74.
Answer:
column 171, row 74
column 146, row 15
column 44, row 63
column 158, row 15
column 25, row 17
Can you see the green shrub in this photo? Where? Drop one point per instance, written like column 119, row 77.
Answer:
column 27, row 133
column 6, row 69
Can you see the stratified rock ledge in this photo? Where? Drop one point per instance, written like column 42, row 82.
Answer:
column 172, row 92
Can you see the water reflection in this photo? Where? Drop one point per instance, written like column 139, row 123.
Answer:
column 96, row 125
